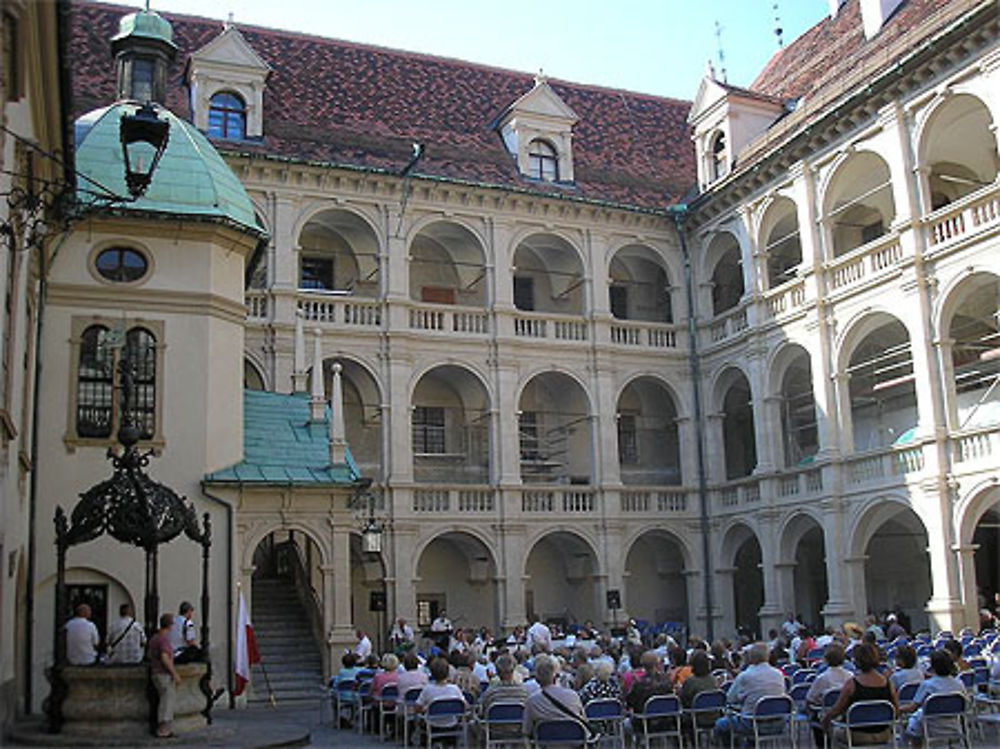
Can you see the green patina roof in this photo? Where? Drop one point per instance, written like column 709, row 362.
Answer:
column 145, row 23
column 281, row 446
column 191, row 178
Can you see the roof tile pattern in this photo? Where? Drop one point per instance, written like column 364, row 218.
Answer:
column 281, row 446
column 828, row 52
column 348, row 104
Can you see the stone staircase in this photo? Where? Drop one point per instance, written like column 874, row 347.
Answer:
column 288, row 649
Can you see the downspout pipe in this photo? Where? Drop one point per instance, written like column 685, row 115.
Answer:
column 679, row 212
column 230, row 531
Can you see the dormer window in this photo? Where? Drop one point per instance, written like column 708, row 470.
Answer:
column 227, row 116
column 719, row 159
column 543, row 162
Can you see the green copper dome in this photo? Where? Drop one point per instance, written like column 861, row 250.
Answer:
column 145, row 23
column 190, row 180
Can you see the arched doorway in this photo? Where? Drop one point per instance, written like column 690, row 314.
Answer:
column 450, row 427
column 655, row 579
column 648, row 446
column 562, row 580
column 447, row 266
column 456, row 572
column 741, row 546
column 554, row 431
column 897, row 563
column 803, row 549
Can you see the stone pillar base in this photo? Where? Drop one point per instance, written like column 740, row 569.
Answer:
column 113, row 701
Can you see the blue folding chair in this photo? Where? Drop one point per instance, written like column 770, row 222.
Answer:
column 502, row 724
column 445, row 718
column 705, row 703
column 908, row 691
column 388, row 703
column 798, row 694
column 408, row 713
column 665, row 711
column 770, row 721
column 344, row 694
column 803, row 675
column 365, row 704
column 944, row 720
column 869, row 714
column 560, row 733
column 606, row 715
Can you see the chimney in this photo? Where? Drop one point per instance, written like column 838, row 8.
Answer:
column 874, row 14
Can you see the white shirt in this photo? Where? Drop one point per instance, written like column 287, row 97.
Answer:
column 125, row 641
column 364, row 647
column 182, row 633
column 82, row 640
column 441, row 624
column 541, row 635
column 404, row 634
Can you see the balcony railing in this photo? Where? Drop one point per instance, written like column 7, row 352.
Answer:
column 257, row 306
column 970, row 448
column 552, row 327
column 652, row 500
column 580, row 501
column 464, row 499
column 342, row 311
column 447, row 319
column 785, row 299
column 891, row 464
column 866, row 262
column 737, row 493
column 647, row 334
column 963, row 218
column 728, row 324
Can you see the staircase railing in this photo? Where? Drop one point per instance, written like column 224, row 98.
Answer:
column 291, row 562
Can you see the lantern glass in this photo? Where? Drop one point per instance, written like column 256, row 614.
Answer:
column 144, row 139
column 371, row 539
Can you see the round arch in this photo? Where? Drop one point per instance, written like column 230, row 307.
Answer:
column 447, row 263
column 802, row 547
column 742, row 552
column 467, row 368
column 957, row 146
column 778, row 238
column 317, row 207
column 252, row 368
column 260, row 530
column 724, row 377
column 555, row 430
column 456, row 570
column 857, row 200
column 675, row 396
column 655, row 567
column 363, row 409
column 640, row 284
column 563, row 572
column 646, row 415
column 555, row 369
column 549, row 273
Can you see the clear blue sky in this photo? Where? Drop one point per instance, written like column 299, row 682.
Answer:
column 653, row 46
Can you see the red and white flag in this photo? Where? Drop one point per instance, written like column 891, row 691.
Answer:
column 247, row 653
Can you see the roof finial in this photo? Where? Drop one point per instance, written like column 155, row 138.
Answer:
column 147, row 6
column 229, row 20
column 778, row 31
column 540, row 77
column 722, row 53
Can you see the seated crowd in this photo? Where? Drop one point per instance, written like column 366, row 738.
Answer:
column 554, row 677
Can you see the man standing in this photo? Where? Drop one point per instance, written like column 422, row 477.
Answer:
column 126, row 638
column 402, row 635
column 539, row 637
column 165, row 676
column 82, row 638
column 363, row 646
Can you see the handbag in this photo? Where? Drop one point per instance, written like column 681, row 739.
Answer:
column 593, row 737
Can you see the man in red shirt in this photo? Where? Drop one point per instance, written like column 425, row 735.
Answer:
column 165, row 676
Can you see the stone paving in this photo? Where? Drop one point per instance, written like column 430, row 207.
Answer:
column 305, row 724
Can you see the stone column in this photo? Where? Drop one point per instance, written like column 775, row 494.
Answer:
column 950, row 405
column 507, row 448
column 397, row 426
column 967, row 575
column 284, row 288
column 771, row 612
column 513, row 580
column 405, row 595
column 340, row 632
column 687, row 437
column 397, row 284
column 824, row 389
column 784, row 575
column 945, row 607
column 838, row 606
column 842, row 392
column 857, row 586
column 604, row 424
column 725, row 623
column 715, row 448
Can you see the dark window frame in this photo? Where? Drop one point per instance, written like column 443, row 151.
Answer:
column 543, row 161
column 227, row 116
column 121, row 270
column 428, row 424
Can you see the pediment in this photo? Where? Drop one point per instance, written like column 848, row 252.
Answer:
column 543, row 101
column 709, row 93
column 229, row 49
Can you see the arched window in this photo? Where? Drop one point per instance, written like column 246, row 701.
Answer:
column 98, row 413
column 227, row 116
column 720, row 164
column 95, row 384
column 543, row 163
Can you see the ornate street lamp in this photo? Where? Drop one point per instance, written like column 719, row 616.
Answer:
column 371, row 533
column 144, row 139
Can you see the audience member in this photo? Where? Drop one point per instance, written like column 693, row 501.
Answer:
column 164, row 674
column 551, row 701
column 126, row 638
column 758, row 679
column 866, row 684
column 82, row 638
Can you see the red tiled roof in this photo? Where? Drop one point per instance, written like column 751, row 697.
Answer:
column 350, row 104
column 833, row 49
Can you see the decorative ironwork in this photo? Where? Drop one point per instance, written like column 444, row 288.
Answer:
column 133, row 509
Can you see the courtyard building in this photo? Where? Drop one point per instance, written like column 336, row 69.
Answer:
column 713, row 361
